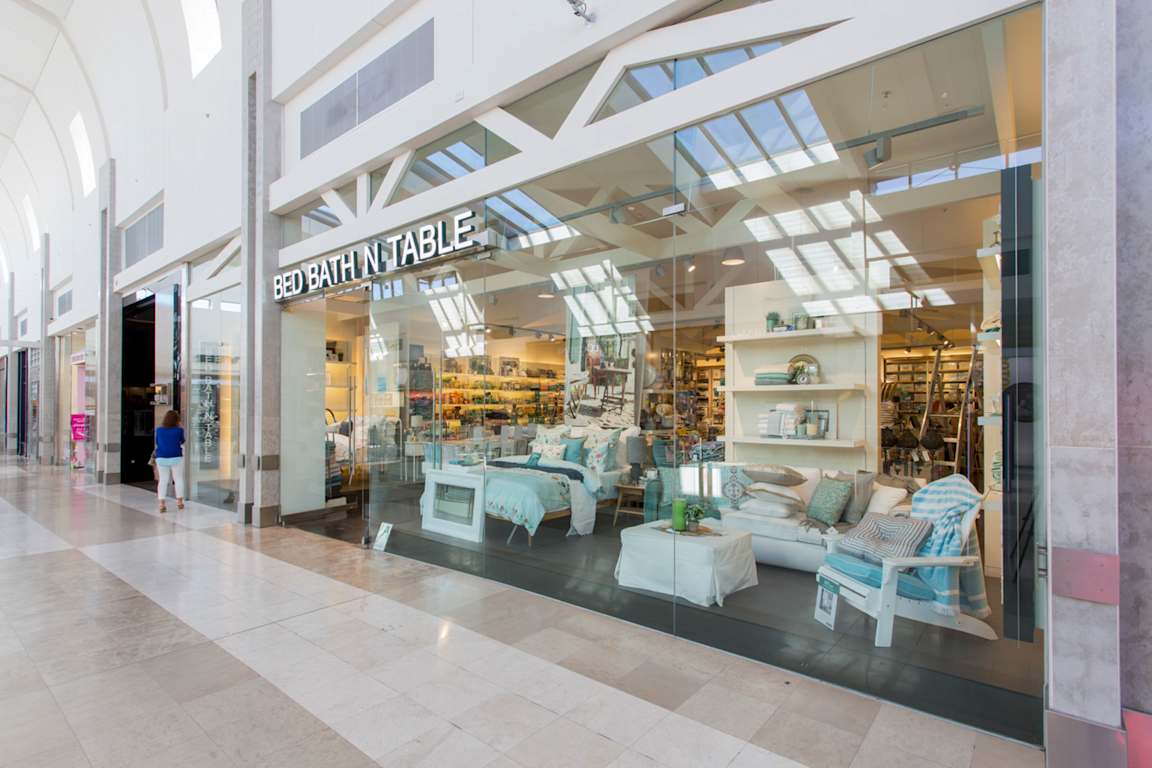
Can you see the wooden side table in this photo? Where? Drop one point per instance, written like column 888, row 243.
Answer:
column 629, row 500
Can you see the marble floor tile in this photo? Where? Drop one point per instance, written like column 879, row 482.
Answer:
column 727, row 710
column 619, row 716
column 504, row 721
column 334, row 699
column 446, row 746
column 412, row 670
column 18, row 675
column 565, row 744
column 197, row 671
column 32, row 724
column 387, row 726
column 67, row 756
column 874, row 753
column 454, row 693
column 678, row 742
column 753, row 756
column 928, row 737
column 994, row 752
column 326, row 749
column 663, row 685
column 843, row 709
column 553, row 644
column 814, row 743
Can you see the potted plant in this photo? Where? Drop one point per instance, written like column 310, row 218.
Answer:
column 771, row 320
column 693, row 514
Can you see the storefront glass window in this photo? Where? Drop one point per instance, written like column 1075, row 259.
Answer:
column 842, row 312
column 214, row 398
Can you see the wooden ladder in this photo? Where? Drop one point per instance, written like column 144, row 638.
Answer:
column 963, row 419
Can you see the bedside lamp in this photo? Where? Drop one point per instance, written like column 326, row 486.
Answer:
column 637, row 448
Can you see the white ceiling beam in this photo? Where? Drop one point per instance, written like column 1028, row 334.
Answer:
column 335, row 201
column 512, row 129
column 391, row 180
column 221, row 260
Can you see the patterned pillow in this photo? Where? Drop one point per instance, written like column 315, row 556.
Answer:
column 551, row 435
column 861, row 493
column 552, row 451
column 829, row 500
column 776, row 474
column 881, row 536
column 573, row 448
column 600, row 456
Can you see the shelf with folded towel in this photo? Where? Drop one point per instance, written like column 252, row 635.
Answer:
column 794, row 442
column 835, row 332
column 767, row 388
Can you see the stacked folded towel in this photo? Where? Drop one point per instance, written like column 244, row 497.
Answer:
column 772, row 374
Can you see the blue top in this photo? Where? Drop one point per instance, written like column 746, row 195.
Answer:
column 169, row 441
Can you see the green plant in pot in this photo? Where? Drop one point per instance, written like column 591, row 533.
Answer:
column 771, row 320
column 693, row 514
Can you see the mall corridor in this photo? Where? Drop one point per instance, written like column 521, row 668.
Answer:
column 134, row 639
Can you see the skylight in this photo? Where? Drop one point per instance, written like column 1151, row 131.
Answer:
column 83, row 149
column 33, row 225
column 202, row 21
column 601, row 302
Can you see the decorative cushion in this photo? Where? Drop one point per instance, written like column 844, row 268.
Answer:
column 551, row 435
column 553, row 451
column 909, row 484
column 622, row 445
column 607, row 437
column 884, row 497
column 771, row 492
column 573, row 448
column 907, row 585
column 861, row 493
column 533, row 460
column 776, row 474
column 829, row 500
column 600, row 456
column 881, row 536
column 780, row 506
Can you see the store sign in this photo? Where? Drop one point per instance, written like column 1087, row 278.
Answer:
column 406, row 249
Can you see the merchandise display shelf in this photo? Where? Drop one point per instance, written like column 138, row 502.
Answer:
column 794, row 443
column 769, row 388
column 835, row 332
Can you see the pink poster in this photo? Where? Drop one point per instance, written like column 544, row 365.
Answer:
column 79, row 427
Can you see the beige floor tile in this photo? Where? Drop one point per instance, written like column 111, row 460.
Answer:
column 119, row 695
column 412, row 670
column 843, row 709
column 557, row 689
column 190, row 673
column 663, row 685
column 141, row 742
column 553, row 644
column 32, row 724
column 608, row 664
column 727, row 710
column 326, row 749
column 678, row 742
column 67, row 756
column 387, row 726
column 619, row 716
column 252, row 719
column 813, row 743
column 631, row 759
column 565, row 744
column 333, row 700
column 994, row 752
column 504, row 721
column 875, row 753
column 753, row 756
column 444, row 747
column 18, row 675
column 928, row 737
column 454, row 693
column 760, row 681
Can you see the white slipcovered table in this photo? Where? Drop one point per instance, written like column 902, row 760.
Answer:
column 701, row 569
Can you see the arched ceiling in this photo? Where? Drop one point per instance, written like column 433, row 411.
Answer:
column 53, row 64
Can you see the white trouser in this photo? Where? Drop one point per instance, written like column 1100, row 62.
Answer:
column 173, row 472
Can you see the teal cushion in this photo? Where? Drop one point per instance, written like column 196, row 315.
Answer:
column 574, row 449
column 907, row 584
column 533, row 460
column 829, row 501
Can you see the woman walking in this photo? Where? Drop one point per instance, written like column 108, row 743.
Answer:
column 170, row 458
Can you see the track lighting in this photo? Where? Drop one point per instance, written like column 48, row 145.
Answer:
column 580, row 8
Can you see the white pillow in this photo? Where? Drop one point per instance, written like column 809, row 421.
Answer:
column 551, row 435
column 761, row 490
column 552, row 451
column 884, row 497
column 779, row 509
column 622, row 445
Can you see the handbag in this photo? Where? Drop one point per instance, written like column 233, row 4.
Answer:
column 155, row 469
column 932, row 439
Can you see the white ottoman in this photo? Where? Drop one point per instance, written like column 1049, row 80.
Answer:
column 701, row 569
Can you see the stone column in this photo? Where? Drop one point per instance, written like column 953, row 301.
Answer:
column 1134, row 348
column 12, row 406
column 260, row 235
column 1088, row 335
column 47, row 421
column 109, row 329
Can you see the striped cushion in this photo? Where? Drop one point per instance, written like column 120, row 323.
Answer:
column 881, row 536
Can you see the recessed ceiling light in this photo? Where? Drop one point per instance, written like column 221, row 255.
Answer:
column 545, row 295
column 733, row 262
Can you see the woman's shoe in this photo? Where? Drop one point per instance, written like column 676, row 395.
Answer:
column 179, row 503
column 163, row 508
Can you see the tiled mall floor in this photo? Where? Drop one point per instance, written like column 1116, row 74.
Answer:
column 129, row 639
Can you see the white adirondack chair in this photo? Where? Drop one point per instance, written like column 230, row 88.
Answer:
column 884, row 604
